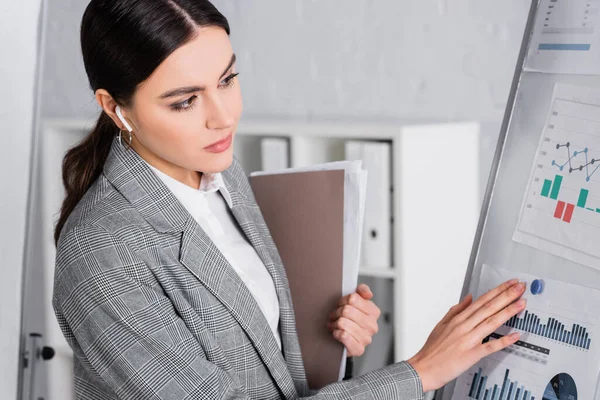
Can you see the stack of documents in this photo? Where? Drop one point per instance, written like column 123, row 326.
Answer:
column 315, row 216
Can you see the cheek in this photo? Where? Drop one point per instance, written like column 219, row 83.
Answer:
column 165, row 128
column 173, row 136
column 233, row 97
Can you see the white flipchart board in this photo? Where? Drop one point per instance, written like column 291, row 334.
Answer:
column 526, row 120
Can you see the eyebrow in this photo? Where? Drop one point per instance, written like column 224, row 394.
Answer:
column 191, row 89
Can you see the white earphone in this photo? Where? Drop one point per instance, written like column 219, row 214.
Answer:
column 118, row 110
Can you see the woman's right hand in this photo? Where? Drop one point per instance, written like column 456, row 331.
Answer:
column 455, row 344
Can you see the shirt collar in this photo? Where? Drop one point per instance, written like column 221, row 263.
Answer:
column 209, row 183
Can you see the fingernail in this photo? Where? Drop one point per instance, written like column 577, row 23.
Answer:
column 519, row 287
column 512, row 281
column 515, row 335
column 521, row 303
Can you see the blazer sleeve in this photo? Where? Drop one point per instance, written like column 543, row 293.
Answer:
column 127, row 332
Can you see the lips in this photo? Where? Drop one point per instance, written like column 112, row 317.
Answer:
column 221, row 145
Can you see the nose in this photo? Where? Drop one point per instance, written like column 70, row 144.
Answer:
column 217, row 113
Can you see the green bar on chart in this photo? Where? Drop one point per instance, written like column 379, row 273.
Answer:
column 556, row 187
column 583, row 195
column 546, row 188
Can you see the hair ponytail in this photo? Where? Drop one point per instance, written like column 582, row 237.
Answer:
column 83, row 164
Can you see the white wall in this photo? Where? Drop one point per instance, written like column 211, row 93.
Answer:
column 378, row 59
column 427, row 59
column 18, row 41
column 367, row 60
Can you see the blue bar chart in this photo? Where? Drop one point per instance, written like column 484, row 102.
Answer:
column 482, row 390
column 554, row 357
column 577, row 336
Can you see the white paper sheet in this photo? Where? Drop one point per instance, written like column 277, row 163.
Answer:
column 560, row 213
column 558, row 351
column 566, row 38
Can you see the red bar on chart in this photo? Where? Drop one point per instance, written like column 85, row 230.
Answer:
column 569, row 213
column 560, row 207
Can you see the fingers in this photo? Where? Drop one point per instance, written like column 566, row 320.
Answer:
column 364, row 321
column 457, row 309
column 362, row 336
column 495, row 321
column 487, row 297
column 495, row 305
column 493, row 346
column 354, row 348
column 365, row 291
column 357, row 301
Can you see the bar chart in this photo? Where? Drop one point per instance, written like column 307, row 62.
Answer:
column 577, row 336
column 564, row 210
column 555, row 357
column 481, row 389
column 551, row 189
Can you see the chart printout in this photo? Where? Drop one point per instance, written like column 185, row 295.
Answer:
column 566, row 38
column 560, row 212
column 557, row 356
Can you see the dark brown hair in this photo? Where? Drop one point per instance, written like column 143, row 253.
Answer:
column 123, row 42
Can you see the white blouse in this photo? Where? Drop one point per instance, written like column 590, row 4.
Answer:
column 210, row 206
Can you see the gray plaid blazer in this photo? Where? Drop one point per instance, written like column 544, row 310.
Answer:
column 153, row 310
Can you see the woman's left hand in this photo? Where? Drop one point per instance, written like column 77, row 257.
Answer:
column 354, row 322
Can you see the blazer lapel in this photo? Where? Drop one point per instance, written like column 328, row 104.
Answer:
column 250, row 219
column 155, row 202
column 202, row 258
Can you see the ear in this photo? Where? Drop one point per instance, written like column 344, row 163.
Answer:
column 109, row 105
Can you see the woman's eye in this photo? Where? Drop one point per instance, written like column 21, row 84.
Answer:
column 185, row 105
column 229, row 81
column 190, row 103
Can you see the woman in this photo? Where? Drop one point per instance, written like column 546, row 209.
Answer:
column 167, row 283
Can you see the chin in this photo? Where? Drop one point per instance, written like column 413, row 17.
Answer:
column 218, row 162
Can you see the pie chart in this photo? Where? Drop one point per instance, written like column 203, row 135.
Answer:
column 561, row 387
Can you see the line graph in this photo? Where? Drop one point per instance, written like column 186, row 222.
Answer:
column 575, row 154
